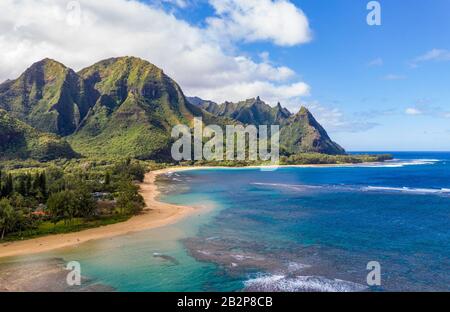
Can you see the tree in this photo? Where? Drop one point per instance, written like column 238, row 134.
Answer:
column 134, row 171
column 62, row 206
column 8, row 187
column 129, row 201
column 107, row 178
column 28, row 182
column 22, row 187
column 36, row 186
column 68, row 204
column 85, row 202
column 43, row 184
column 8, row 217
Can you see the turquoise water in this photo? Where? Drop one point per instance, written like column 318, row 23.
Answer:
column 294, row 229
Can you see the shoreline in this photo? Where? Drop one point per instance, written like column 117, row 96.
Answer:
column 156, row 214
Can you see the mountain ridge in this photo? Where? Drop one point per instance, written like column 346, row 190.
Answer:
column 126, row 106
column 299, row 133
column 19, row 140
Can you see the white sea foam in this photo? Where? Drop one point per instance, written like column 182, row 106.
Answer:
column 297, row 266
column 407, row 190
column 246, row 257
column 281, row 283
column 441, row 191
column 293, row 186
column 398, row 163
column 204, row 252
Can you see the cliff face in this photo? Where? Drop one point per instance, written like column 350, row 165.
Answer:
column 48, row 96
column 251, row 111
column 121, row 106
column 300, row 133
column 127, row 107
column 19, row 140
column 303, row 134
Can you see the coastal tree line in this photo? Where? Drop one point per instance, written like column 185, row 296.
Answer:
column 34, row 202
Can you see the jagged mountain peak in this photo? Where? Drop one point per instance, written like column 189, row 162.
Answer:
column 127, row 106
column 47, row 96
column 303, row 133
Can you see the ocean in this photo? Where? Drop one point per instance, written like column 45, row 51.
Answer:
column 293, row 229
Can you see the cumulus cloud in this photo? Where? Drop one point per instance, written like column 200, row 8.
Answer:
column 376, row 62
column 178, row 3
column 79, row 33
column 394, row 77
column 413, row 111
column 425, row 109
column 279, row 21
column 287, row 94
column 434, row 55
column 334, row 120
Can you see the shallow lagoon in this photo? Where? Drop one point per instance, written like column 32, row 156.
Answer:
column 295, row 229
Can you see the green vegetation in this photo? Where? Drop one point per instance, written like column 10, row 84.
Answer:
column 300, row 133
column 48, row 96
column 19, row 140
column 127, row 107
column 303, row 134
column 316, row 158
column 117, row 116
column 40, row 200
column 249, row 112
column 297, row 159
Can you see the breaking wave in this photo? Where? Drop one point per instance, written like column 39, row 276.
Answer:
column 388, row 189
column 281, row 283
column 396, row 163
column 408, row 190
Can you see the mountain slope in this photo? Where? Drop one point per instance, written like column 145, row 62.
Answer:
column 300, row 133
column 127, row 107
column 48, row 96
column 135, row 109
column 251, row 111
column 19, row 140
column 303, row 134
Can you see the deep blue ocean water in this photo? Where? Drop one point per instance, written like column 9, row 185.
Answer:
column 293, row 229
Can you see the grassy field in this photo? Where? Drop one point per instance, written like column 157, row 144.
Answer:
column 62, row 227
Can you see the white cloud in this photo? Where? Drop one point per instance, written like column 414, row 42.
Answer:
column 335, row 121
column 376, row 62
column 423, row 107
column 434, row 55
column 279, row 21
column 394, row 77
column 33, row 30
column 178, row 3
column 413, row 111
column 287, row 94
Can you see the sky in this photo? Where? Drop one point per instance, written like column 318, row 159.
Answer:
column 373, row 87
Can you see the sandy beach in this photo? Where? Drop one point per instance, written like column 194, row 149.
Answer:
column 156, row 214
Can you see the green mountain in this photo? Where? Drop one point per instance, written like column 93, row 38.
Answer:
column 303, row 134
column 19, row 140
column 136, row 106
column 47, row 96
column 251, row 112
column 300, row 133
column 127, row 107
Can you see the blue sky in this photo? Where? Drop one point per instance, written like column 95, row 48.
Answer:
column 372, row 87
column 369, row 73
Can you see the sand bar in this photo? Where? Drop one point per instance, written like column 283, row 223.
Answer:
column 156, row 214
